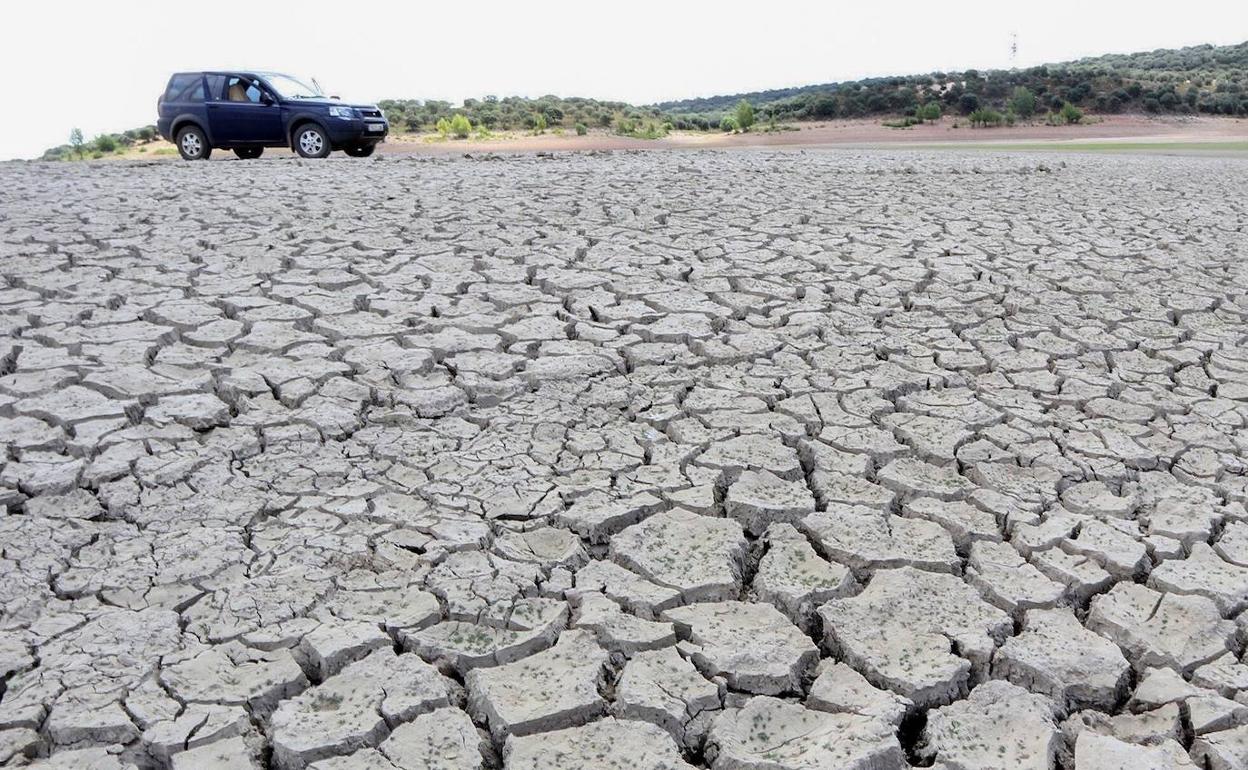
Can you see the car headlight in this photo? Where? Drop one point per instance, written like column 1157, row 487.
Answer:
column 346, row 113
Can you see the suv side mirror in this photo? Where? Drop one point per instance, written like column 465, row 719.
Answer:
column 266, row 99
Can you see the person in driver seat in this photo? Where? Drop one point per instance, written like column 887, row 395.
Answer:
column 238, row 92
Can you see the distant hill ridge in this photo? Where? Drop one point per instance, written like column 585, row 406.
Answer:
column 1202, row 78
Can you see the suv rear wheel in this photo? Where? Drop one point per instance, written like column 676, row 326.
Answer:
column 248, row 153
column 360, row 150
column 311, row 141
column 193, row 144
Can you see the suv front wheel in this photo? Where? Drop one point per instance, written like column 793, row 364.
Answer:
column 193, row 144
column 311, row 141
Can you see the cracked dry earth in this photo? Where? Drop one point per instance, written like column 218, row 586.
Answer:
column 742, row 461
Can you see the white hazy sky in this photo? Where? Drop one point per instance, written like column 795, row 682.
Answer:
column 100, row 65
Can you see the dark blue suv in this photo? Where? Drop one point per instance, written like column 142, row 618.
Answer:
column 248, row 111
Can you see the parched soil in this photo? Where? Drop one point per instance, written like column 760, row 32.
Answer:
column 631, row 461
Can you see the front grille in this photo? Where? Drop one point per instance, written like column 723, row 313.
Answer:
column 371, row 113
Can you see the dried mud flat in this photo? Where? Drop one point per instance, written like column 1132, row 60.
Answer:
column 653, row 461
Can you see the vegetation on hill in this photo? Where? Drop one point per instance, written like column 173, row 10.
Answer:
column 104, row 144
column 1200, row 79
column 513, row 113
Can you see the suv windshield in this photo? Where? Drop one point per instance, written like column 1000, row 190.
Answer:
column 289, row 88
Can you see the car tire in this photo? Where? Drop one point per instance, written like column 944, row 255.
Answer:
column 193, row 144
column 248, row 153
column 360, row 150
column 311, row 141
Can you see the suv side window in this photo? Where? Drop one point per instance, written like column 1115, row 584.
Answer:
column 241, row 89
column 185, row 88
column 216, row 87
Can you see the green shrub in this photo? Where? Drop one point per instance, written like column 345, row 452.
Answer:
column 653, row 130
column 1023, row 102
column 985, row 116
column 930, row 111
column 539, row 123
column 968, row 103
column 105, row 143
column 581, row 129
column 553, row 115
column 728, row 124
column 744, row 115
column 444, row 127
column 906, row 122
column 461, row 127
column 1071, row 113
column 823, row 106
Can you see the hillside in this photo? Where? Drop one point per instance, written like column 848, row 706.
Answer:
column 1208, row 79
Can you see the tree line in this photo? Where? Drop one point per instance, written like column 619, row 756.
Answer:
column 1199, row 79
